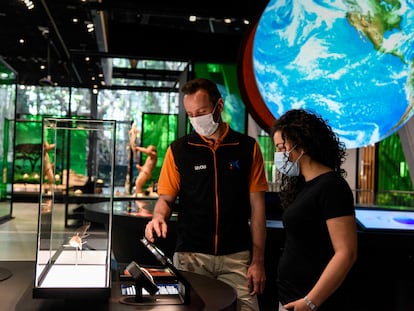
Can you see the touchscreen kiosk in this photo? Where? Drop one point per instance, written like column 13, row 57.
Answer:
column 385, row 220
column 145, row 282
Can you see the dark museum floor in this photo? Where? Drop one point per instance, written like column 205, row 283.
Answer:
column 18, row 237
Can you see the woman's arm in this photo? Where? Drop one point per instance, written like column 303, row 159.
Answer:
column 343, row 234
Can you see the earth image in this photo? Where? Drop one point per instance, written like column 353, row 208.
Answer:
column 351, row 61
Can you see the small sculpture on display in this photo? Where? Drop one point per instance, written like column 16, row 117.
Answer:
column 142, row 208
column 145, row 170
column 76, row 241
column 47, row 165
column 131, row 151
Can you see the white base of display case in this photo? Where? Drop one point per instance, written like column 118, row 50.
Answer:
column 74, row 272
column 75, row 276
column 73, row 268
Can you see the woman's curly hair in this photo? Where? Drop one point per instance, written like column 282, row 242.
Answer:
column 312, row 133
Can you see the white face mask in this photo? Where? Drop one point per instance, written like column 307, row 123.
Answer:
column 283, row 165
column 205, row 124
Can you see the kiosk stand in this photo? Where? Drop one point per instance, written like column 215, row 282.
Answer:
column 181, row 293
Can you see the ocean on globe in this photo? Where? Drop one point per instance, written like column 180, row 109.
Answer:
column 350, row 61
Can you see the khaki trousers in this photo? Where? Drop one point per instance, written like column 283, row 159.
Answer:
column 230, row 269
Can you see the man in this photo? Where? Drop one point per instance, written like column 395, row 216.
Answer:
column 218, row 176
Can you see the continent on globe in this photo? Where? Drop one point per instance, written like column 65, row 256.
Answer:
column 373, row 23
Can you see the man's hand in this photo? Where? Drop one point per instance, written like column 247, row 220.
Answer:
column 158, row 226
column 256, row 279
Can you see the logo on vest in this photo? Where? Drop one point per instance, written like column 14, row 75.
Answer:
column 234, row 165
column 200, row 167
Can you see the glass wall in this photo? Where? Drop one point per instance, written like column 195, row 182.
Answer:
column 135, row 108
column 394, row 180
column 7, row 114
column 124, row 106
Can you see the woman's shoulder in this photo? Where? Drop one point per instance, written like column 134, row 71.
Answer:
column 331, row 178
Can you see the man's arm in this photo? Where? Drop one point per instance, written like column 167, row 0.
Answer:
column 168, row 187
column 256, row 272
column 161, row 213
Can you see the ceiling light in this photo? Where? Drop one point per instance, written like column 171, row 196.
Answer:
column 192, row 18
column 29, row 4
column 90, row 26
column 227, row 20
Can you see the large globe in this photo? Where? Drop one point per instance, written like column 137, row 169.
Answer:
column 351, row 61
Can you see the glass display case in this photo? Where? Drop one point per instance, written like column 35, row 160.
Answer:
column 72, row 262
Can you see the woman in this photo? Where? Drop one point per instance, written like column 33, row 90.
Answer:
column 319, row 216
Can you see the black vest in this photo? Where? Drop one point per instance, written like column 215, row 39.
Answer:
column 214, row 208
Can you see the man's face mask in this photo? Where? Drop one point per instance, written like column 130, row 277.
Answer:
column 283, row 165
column 205, row 124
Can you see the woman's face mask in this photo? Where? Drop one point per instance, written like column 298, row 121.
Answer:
column 283, row 165
column 205, row 124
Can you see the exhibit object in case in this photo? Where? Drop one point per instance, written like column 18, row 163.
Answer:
column 73, row 262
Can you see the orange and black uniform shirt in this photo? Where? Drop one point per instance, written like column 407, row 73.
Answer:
column 212, row 181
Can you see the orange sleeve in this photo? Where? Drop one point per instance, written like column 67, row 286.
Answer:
column 258, row 181
column 169, row 180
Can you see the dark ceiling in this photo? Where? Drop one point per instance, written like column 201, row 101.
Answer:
column 137, row 29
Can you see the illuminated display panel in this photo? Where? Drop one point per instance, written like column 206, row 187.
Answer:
column 375, row 219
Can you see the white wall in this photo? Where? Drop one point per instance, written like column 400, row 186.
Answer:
column 350, row 166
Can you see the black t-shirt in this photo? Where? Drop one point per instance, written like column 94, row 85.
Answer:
column 308, row 248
